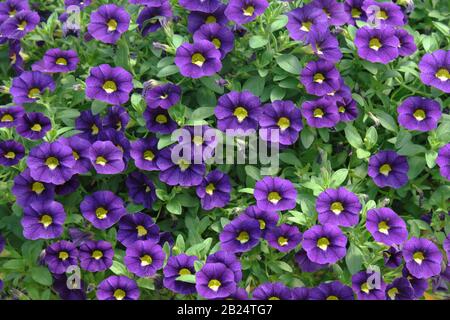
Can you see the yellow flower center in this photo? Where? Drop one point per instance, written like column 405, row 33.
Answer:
column 341, row 109
column 365, row 287
column 332, row 298
column 146, row 260
column 217, row 43
column 383, row 227
column 22, row 25
column 184, row 272
column 382, row 15
column 10, row 155
column 306, row 26
column 119, row 294
column 282, row 241
column 97, row 254
column 94, row 129
column 274, row 197
column 37, row 187
column 318, row 113
column 149, row 155
column 198, row 140
column 243, row 237
column 112, row 25
column 141, row 231
column 46, row 220
column 211, row 19
column 12, row 13
column 240, row 113
column 392, row 293
column 262, row 224
column 443, row 74
column 198, row 59
column 274, row 298
column 375, row 44
column 63, row 255
column 36, row 127
column 101, row 161
column 337, row 207
column 249, row 11
column 101, row 213
column 75, row 155
column 210, row 189
column 283, row 123
column 419, row 114
column 318, row 77
column 7, row 118
column 385, row 169
column 52, row 163
column 356, row 13
column 161, row 119
column 34, row 93
column 109, row 86
column 323, row 243
column 214, row 284
column 61, row 61
column 418, row 257
column 183, row 164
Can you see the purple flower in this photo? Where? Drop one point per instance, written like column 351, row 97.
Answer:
column 384, row 13
column 377, row 45
column 118, row 288
column 407, row 46
column 367, row 288
column 443, row 161
column 148, row 3
column 89, row 124
column 324, row 244
column 266, row 219
column 80, row 3
column 164, row 96
column 158, row 120
column 198, row 60
column 183, row 172
column 245, row 11
column 80, row 150
column 141, row 189
column 283, row 238
column 334, row 290
column 11, row 152
column 144, row 258
column 238, row 110
column 106, row 158
column 423, row 258
column 43, row 220
column 300, row 293
column 220, row 36
column 302, row 20
column 152, row 18
column 355, row 11
column 145, row 153
column 386, row 226
column 347, row 107
column 393, row 257
column 61, row 255
column 240, row 235
column 118, row 139
column 284, row 117
column 196, row 18
column 68, row 187
column 275, row 194
column 334, row 11
column 339, row 207
column 10, row 8
column 418, row 113
column 137, row 227
column 215, row 281
column 103, row 209
column 214, row 191
column 229, row 260
column 117, row 118
column 27, row 87
column 96, row 255
column 435, row 70
column 419, row 285
column 320, row 78
column 388, row 169
column 178, row 266
column 108, row 23
column 17, row 26
column 109, row 84
column 305, row 264
column 33, row 125
column 10, row 116
column 51, row 163
column 200, row 5
column 28, row 190
column 57, row 60
column 68, row 290
column 272, row 291
column 324, row 44
column 321, row 113
column 400, row 289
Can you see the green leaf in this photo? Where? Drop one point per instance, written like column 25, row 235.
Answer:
column 307, row 137
column 386, row 120
column 279, row 23
column 167, row 71
column 189, row 278
column 258, row 42
column 255, row 85
column 353, row 136
column 354, row 259
column 174, row 206
column 289, row 63
column 277, row 94
column 339, row 177
column 253, row 172
column 41, row 275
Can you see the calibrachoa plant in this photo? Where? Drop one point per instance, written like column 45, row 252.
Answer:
column 93, row 205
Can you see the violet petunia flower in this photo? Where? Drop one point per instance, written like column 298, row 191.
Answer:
column 10, row 116
column 320, row 78
column 275, row 194
column 229, row 260
column 137, row 227
column 214, row 191
column 400, row 289
column 393, row 257
column 347, row 107
column 240, row 235
column 388, row 169
column 9, row 8
column 272, row 291
column 158, row 120
column 165, row 96
column 68, row 187
column 61, row 255
column 300, row 293
column 324, row 44
column 355, row 11
column 118, row 288
column 386, row 226
column 96, row 256
column 19, row 25
column 266, row 218
column 198, row 60
column 321, row 113
column 283, row 238
column 215, row 281
column 334, row 290
column 103, row 209
column 418, row 113
column 369, row 285
column 106, row 158
column 407, row 45
column 33, row 125
column 377, row 45
column 145, row 153
column 89, row 124
column 43, row 220
column 116, row 118
column 79, row 3
column 80, row 150
column 118, row 139
column 245, row 11
column 141, row 189
column 176, row 266
column 144, row 258
column 443, row 161
column 383, row 13
column 435, row 70
column 108, row 23
column 423, row 258
column 303, row 19
column 200, row 5
column 148, row 3
column 196, row 18
column 419, row 285
column 57, row 60
column 324, row 244
column 11, row 152
column 220, row 36
column 305, row 264
column 339, row 207
column 151, row 19
column 29, row 86
column 335, row 12
column 27, row 190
